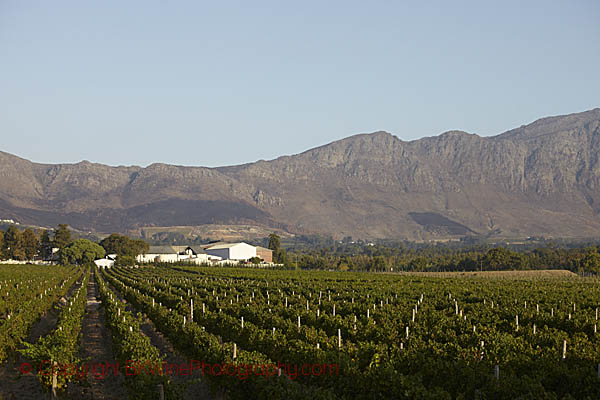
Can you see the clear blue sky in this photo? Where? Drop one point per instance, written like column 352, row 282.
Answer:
column 227, row 82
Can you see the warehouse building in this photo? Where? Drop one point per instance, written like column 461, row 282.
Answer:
column 232, row 251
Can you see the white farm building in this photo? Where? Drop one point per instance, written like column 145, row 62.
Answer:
column 232, row 251
column 107, row 262
column 216, row 254
column 172, row 254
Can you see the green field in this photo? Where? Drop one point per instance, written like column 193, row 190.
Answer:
column 364, row 336
column 463, row 328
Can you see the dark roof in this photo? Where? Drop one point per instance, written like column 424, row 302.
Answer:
column 196, row 249
column 161, row 250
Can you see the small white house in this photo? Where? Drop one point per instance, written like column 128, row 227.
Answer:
column 105, row 263
column 232, row 251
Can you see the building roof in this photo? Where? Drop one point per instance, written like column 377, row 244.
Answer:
column 226, row 246
column 262, row 248
column 196, row 249
column 161, row 250
column 174, row 249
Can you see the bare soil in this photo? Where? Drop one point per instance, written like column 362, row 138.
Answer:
column 96, row 347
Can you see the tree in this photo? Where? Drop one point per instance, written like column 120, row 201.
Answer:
column 255, row 260
column 123, row 246
column 419, row 264
column 45, row 247
column 81, row 251
column 497, row 258
column 379, row 264
column 1, row 245
column 279, row 255
column 13, row 244
column 30, row 244
column 115, row 244
column 274, row 242
column 591, row 262
column 139, row 246
column 62, row 236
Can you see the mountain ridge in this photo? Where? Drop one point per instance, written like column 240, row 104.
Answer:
column 542, row 178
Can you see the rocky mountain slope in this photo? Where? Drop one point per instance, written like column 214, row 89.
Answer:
column 539, row 179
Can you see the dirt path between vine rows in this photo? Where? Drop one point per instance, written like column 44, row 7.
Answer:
column 96, row 348
column 15, row 384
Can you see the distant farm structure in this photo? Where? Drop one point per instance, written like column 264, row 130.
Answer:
column 214, row 254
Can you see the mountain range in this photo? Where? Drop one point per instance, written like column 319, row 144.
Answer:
column 541, row 179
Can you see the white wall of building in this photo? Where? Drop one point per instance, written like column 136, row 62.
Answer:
column 104, row 263
column 145, row 258
column 236, row 251
column 242, row 251
column 203, row 259
column 171, row 258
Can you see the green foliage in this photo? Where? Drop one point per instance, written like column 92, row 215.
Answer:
column 591, row 262
column 380, row 264
column 279, row 254
column 274, row 242
column 30, row 244
column 361, row 256
column 139, row 246
column 45, row 247
column 442, row 357
column 497, row 258
column 62, row 344
column 198, row 343
column 255, row 260
column 133, row 348
column 125, row 261
column 13, row 244
column 62, row 236
column 1, row 245
column 124, row 246
column 81, row 251
column 34, row 289
column 419, row 264
column 280, row 257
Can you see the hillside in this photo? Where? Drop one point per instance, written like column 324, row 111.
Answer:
column 539, row 179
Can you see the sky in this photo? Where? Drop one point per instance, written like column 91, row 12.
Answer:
column 229, row 82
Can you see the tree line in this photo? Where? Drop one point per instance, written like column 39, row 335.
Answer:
column 30, row 244
column 379, row 258
column 61, row 245
column 346, row 255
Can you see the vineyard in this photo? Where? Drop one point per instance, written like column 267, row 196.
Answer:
column 25, row 295
column 322, row 335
